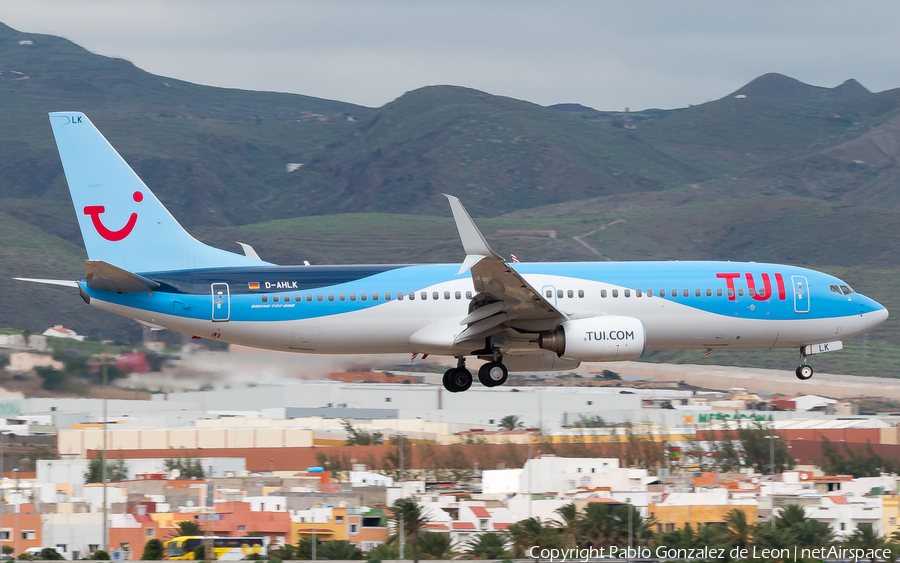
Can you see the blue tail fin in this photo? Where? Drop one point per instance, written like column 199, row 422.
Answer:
column 121, row 220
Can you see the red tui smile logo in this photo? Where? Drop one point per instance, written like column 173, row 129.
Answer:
column 95, row 210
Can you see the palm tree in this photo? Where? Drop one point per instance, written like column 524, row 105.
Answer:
column 642, row 529
column 435, row 545
column 806, row 531
column 529, row 533
column 338, row 550
column 864, row 537
column 414, row 520
column 739, row 530
column 680, row 539
column 772, row 537
column 567, row 522
column 489, row 545
column 511, row 422
column 598, row 528
column 186, row 528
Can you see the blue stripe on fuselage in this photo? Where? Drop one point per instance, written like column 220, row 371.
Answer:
column 380, row 279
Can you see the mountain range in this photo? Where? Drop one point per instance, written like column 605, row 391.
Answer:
column 777, row 171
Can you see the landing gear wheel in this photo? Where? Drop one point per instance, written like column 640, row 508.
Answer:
column 804, row 372
column 493, row 374
column 457, row 380
column 448, row 381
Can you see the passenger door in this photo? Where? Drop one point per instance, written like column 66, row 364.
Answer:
column 221, row 302
column 801, row 294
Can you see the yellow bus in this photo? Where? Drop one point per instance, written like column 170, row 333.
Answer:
column 227, row 549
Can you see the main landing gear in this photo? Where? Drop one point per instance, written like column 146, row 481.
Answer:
column 491, row 374
column 804, row 371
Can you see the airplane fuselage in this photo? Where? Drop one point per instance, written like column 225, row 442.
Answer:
column 359, row 309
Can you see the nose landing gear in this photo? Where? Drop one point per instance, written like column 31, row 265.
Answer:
column 804, row 371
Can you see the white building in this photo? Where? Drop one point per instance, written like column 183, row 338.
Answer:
column 563, row 475
column 369, row 479
column 844, row 513
column 59, row 331
column 74, row 535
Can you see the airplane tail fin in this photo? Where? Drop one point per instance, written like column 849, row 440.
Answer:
column 122, row 222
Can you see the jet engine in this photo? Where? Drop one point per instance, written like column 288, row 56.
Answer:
column 596, row 339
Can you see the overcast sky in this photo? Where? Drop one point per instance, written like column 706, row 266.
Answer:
column 604, row 54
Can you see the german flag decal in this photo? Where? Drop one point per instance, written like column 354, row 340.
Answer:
column 253, row 285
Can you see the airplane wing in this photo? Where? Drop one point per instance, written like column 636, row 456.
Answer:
column 504, row 293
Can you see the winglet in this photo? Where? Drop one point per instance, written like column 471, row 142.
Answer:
column 473, row 241
column 249, row 252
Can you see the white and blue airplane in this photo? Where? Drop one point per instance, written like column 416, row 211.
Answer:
column 523, row 316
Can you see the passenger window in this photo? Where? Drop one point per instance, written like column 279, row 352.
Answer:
column 581, row 293
column 549, row 294
column 709, row 293
column 331, row 297
column 638, row 293
column 662, row 293
column 309, row 297
column 603, row 293
column 719, row 292
column 615, row 293
column 435, row 295
column 287, row 298
column 751, row 291
column 570, row 294
column 274, row 299
column 740, row 292
column 412, row 295
column 458, row 295
column 446, row 295
column 265, row 299
column 730, row 292
column 649, row 293
column 559, row 293
column 468, row 295
column 298, row 298
column 685, row 292
column 696, row 293
column 375, row 296
column 627, row 293
column 320, row 297
column 342, row 297
column 363, row 297
column 387, row 295
column 400, row 296
column 352, row 297
column 424, row 295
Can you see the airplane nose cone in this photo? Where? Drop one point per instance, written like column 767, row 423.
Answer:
column 879, row 316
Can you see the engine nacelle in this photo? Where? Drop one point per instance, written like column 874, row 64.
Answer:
column 597, row 339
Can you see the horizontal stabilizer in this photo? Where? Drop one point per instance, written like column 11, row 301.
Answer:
column 101, row 275
column 65, row 283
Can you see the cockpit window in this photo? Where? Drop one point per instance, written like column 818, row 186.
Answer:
column 841, row 289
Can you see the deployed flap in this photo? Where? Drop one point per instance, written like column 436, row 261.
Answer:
column 497, row 281
column 100, row 275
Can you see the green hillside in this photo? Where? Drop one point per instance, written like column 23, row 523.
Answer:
column 776, row 171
